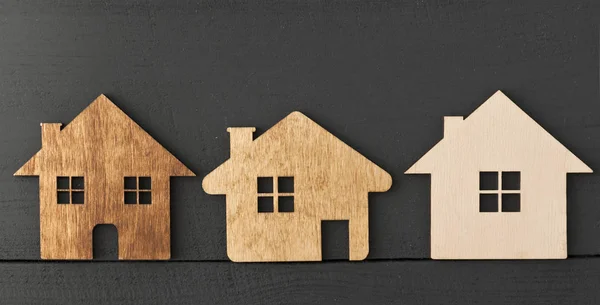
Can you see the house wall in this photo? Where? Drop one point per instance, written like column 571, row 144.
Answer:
column 460, row 231
column 253, row 236
column 66, row 229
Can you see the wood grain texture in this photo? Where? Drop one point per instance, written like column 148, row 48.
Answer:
column 87, row 172
column 379, row 75
column 525, row 218
column 325, row 179
column 565, row 282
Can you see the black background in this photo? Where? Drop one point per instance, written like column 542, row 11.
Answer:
column 378, row 75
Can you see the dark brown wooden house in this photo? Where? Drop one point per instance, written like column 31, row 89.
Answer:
column 103, row 168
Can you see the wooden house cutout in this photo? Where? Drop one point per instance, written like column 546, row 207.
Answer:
column 103, row 168
column 498, row 186
column 281, row 186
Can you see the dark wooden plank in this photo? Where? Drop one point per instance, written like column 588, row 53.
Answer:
column 572, row 281
column 378, row 75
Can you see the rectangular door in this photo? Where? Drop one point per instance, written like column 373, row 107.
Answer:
column 335, row 240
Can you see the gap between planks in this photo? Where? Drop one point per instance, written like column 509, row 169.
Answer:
column 333, row 261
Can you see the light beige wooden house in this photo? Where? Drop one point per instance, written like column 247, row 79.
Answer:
column 282, row 185
column 498, row 186
column 103, row 168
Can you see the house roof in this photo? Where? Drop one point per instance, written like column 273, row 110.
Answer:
column 503, row 112
column 286, row 134
column 104, row 116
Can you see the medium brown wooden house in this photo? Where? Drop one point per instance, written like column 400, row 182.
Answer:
column 103, row 168
column 280, row 188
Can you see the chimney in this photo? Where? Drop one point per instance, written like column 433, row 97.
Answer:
column 50, row 133
column 240, row 139
column 451, row 124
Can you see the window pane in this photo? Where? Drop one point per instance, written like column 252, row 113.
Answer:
column 145, row 183
column 265, row 184
column 286, row 204
column 511, row 202
column 488, row 181
column 77, row 183
column 62, row 183
column 511, row 180
column 130, row 183
column 130, row 197
column 265, row 205
column 63, row 197
column 77, row 197
column 488, row 203
column 145, row 198
column 285, row 184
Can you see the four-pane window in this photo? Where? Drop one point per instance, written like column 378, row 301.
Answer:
column 70, row 190
column 499, row 192
column 138, row 190
column 275, row 193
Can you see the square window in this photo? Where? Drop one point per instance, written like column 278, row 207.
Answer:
column 511, row 202
column 145, row 198
column 265, row 205
column 130, row 183
column 130, row 197
column 286, row 204
column 77, row 183
column 488, row 181
column 285, row 184
column 265, row 185
column 488, row 203
column 62, row 183
column 77, row 197
column 145, row 183
column 64, row 197
column 511, row 181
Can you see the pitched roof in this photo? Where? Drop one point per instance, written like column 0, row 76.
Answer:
column 500, row 109
column 285, row 134
column 102, row 114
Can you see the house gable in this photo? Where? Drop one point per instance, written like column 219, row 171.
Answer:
column 102, row 130
column 295, row 136
column 497, row 120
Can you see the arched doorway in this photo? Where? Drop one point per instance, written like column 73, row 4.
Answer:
column 105, row 242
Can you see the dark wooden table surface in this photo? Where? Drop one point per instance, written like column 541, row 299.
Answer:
column 379, row 75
